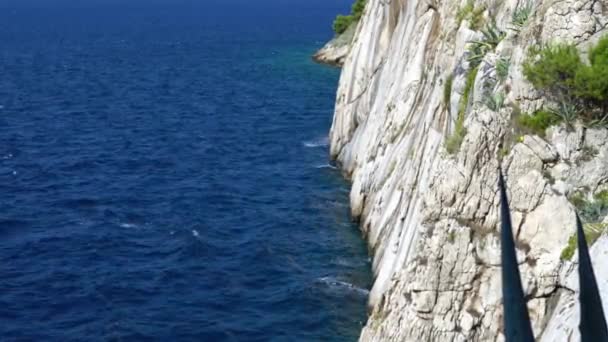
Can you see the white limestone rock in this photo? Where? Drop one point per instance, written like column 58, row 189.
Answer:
column 563, row 325
column 335, row 51
column 431, row 219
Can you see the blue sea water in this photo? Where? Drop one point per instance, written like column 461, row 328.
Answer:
column 164, row 174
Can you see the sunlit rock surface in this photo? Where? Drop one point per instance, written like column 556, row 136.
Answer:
column 430, row 217
column 335, row 51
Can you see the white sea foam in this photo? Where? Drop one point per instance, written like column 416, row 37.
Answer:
column 348, row 262
column 321, row 142
column 128, row 225
column 326, row 166
column 333, row 283
column 195, row 233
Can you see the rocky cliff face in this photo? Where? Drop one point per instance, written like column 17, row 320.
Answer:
column 430, row 216
column 335, row 51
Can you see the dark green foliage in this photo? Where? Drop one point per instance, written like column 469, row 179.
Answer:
column 538, row 122
column 477, row 51
column 492, row 34
column 567, row 113
column 342, row 22
column 502, row 68
column 559, row 72
column 468, row 90
column 447, row 91
column 453, row 142
column 591, row 212
column 357, row 9
column 516, row 318
column 553, row 68
column 570, row 249
column 568, row 252
column 591, row 81
column 578, row 200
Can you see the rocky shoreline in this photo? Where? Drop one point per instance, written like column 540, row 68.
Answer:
column 419, row 131
column 335, row 51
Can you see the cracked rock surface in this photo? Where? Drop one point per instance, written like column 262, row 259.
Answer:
column 431, row 218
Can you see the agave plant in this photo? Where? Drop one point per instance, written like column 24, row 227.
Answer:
column 492, row 34
column 599, row 122
column 502, row 68
column 516, row 318
column 495, row 101
column 520, row 16
column 478, row 49
column 567, row 113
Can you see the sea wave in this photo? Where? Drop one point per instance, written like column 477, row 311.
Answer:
column 326, row 166
column 320, row 142
column 335, row 284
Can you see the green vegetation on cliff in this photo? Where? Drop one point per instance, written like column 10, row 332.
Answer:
column 591, row 212
column 559, row 72
column 342, row 22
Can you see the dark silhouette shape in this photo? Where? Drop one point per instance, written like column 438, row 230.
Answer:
column 516, row 319
column 593, row 323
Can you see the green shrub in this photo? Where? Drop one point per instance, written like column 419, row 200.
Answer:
column 591, row 210
column 591, row 213
column 342, row 22
column 592, row 233
column 447, row 91
column 601, row 196
column 591, row 81
column 468, row 90
column 577, row 199
column 452, row 144
column 558, row 71
column 538, row 122
column 357, row 9
column 570, row 248
column 553, row 68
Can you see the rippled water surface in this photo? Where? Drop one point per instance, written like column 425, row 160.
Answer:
column 164, row 174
